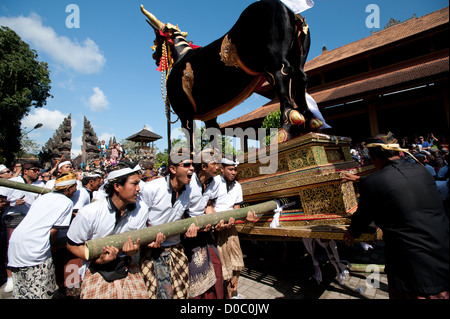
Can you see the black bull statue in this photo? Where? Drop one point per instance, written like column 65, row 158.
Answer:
column 267, row 42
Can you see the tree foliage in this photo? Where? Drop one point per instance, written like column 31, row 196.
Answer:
column 272, row 120
column 24, row 83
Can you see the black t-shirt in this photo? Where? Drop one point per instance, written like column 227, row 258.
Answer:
column 402, row 200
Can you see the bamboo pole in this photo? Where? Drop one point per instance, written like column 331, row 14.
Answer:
column 24, row 186
column 93, row 247
column 367, row 268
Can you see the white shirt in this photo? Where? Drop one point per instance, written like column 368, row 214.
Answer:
column 81, row 198
column 98, row 220
column 29, row 244
column 199, row 198
column 157, row 194
column 15, row 194
column 226, row 199
column 99, row 194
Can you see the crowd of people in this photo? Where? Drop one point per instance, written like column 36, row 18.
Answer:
column 203, row 263
column 432, row 152
column 110, row 155
column 407, row 198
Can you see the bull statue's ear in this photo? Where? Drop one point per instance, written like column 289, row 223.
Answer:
column 170, row 26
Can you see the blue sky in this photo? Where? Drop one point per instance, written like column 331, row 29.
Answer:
column 104, row 69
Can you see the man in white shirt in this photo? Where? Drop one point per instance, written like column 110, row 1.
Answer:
column 65, row 261
column 29, row 251
column 113, row 275
column 63, row 167
column 19, row 203
column 205, row 270
column 229, row 197
column 165, row 267
column 91, row 182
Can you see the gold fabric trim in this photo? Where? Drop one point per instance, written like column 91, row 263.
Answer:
column 230, row 57
column 188, row 83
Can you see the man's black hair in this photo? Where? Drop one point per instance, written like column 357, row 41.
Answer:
column 378, row 151
column 109, row 187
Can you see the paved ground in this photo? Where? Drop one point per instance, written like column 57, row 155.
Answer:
column 277, row 270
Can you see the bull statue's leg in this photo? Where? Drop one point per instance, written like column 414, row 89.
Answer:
column 300, row 80
column 290, row 118
column 187, row 124
column 213, row 134
column 299, row 96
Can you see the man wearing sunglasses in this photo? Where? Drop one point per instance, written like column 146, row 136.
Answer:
column 20, row 202
column 165, row 266
column 205, row 269
column 5, row 172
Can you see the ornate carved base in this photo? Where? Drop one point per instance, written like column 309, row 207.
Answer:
column 329, row 198
column 308, row 172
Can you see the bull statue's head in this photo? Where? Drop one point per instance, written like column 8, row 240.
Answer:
column 164, row 33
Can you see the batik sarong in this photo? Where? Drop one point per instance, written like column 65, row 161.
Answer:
column 230, row 252
column 165, row 272
column 35, row 282
column 204, row 266
column 94, row 286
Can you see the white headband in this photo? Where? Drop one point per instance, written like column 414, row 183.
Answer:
column 227, row 161
column 121, row 172
column 3, row 167
column 64, row 163
column 91, row 174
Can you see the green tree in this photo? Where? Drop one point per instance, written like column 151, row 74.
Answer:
column 28, row 147
column 162, row 158
column 130, row 148
column 24, row 83
column 272, row 120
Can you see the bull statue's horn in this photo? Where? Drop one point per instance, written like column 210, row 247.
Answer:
column 153, row 21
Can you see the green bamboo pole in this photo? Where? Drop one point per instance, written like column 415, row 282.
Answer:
column 93, row 247
column 24, row 186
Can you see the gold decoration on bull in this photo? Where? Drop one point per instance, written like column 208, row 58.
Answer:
column 166, row 66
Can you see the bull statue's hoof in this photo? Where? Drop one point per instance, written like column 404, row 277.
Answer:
column 315, row 124
column 295, row 118
column 283, row 135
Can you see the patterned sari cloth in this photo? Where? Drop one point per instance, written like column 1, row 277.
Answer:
column 132, row 286
column 166, row 272
column 36, row 282
column 205, row 269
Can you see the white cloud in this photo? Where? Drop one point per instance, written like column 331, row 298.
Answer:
column 98, row 101
column 82, row 57
column 76, row 146
column 51, row 120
